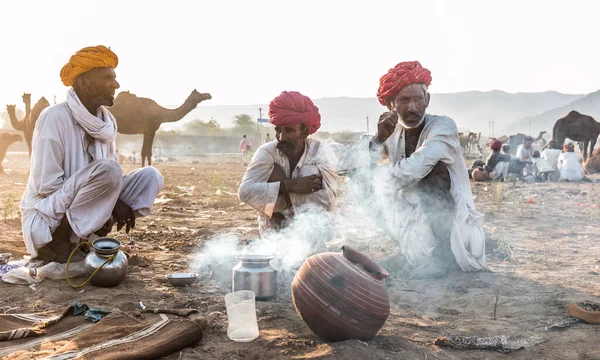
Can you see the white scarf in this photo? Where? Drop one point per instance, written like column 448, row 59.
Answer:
column 102, row 127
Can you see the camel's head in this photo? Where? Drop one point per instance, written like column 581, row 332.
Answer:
column 26, row 98
column 11, row 109
column 199, row 97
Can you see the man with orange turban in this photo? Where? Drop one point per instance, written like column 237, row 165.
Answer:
column 295, row 173
column 424, row 191
column 76, row 188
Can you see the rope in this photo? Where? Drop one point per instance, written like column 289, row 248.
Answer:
column 108, row 259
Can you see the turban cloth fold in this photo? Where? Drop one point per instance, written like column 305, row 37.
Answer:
column 401, row 75
column 85, row 60
column 496, row 145
column 291, row 108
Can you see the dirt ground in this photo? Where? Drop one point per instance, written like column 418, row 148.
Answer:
column 555, row 260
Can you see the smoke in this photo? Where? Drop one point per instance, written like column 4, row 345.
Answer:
column 312, row 230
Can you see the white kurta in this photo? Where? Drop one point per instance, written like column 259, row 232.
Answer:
column 570, row 167
column 551, row 156
column 65, row 180
column 264, row 196
column 438, row 141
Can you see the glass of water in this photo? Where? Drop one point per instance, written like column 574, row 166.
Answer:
column 241, row 316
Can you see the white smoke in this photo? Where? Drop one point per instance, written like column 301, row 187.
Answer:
column 312, row 230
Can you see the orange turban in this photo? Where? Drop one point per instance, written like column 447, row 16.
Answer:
column 85, row 60
column 401, row 75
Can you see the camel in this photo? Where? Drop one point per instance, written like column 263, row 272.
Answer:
column 515, row 140
column 592, row 164
column 6, row 140
column 27, row 124
column 137, row 115
column 577, row 127
column 466, row 140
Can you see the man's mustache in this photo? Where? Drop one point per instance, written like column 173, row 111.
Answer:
column 409, row 114
column 285, row 144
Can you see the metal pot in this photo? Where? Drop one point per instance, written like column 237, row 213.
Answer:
column 255, row 273
column 106, row 251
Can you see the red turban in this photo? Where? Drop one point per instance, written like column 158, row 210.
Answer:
column 405, row 73
column 291, row 108
column 496, row 145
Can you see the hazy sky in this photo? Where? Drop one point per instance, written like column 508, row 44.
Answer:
column 245, row 52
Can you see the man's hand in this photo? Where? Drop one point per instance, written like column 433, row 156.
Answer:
column 386, row 125
column 123, row 215
column 305, row 185
column 106, row 228
column 278, row 174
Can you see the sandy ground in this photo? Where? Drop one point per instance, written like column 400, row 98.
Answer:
column 555, row 260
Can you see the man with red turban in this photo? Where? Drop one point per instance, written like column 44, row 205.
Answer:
column 497, row 164
column 294, row 173
column 76, row 188
column 424, row 191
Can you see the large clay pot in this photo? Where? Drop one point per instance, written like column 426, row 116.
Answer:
column 341, row 295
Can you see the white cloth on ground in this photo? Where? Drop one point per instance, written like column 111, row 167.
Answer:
column 551, row 156
column 570, row 167
column 63, row 150
column 501, row 169
column 264, row 196
column 438, row 141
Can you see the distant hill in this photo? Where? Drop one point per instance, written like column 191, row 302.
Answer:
column 588, row 105
column 471, row 110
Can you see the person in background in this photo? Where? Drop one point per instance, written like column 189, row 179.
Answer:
column 551, row 154
column 569, row 164
column 497, row 164
column 524, row 155
column 267, row 138
column 245, row 146
column 541, row 169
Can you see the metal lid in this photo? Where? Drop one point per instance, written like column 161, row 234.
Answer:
column 255, row 258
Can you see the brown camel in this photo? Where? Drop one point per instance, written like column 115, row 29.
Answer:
column 137, row 115
column 466, row 140
column 27, row 124
column 592, row 164
column 6, row 140
column 577, row 127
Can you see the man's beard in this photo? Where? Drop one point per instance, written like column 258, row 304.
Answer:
column 410, row 119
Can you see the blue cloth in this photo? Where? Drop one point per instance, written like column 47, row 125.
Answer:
column 92, row 314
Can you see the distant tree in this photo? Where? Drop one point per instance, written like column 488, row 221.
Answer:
column 200, row 127
column 243, row 121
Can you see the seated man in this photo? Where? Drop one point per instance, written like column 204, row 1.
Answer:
column 551, row 154
column 76, row 189
column 293, row 172
column 570, row 164
column 524, row 154
column 424, row 191
column 496, row 166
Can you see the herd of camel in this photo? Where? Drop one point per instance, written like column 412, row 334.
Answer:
column 137, row 115
column 134, row 115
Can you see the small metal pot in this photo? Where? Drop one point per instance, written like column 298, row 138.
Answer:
column 109, row 259
column 255, row 273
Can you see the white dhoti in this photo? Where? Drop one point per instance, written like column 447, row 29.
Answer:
column 87, row 199
column 501, row 169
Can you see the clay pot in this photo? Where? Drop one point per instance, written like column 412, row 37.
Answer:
column 341, row 295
